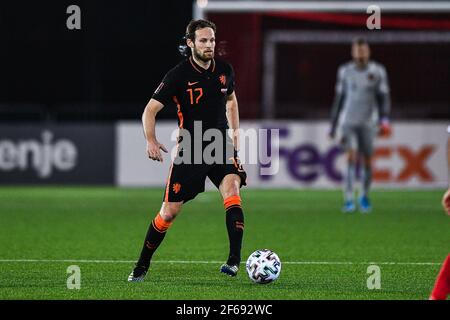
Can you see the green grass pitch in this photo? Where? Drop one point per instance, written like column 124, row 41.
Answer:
column 324, row 253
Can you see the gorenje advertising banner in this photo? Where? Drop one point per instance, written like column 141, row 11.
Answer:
column 289, row 154
column 57, row 154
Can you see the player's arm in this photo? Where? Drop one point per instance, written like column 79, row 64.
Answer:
column 384, row 103
column 148, row 122
column 446, row 201
column 233, row 118
column 338, row 102
column 446, row 197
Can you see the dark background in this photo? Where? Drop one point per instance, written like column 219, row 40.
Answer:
column 108, row 70
column 105, row 71
column 418, row 74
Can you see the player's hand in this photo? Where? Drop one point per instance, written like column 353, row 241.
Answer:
column 446, row 201
column 153, row 150
column 385, row 129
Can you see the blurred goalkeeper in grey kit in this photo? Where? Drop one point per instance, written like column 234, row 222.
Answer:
column 360, row 112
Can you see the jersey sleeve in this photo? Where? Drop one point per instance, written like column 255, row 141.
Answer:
column 339, row 88
column 338, row 98
column 383, row 95
column 383, row 85
column 166, row 90
column 231, row 82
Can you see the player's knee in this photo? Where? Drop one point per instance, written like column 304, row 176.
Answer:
column 231, row 186
column 169, row 211
column 231, row 192
column 351, row 157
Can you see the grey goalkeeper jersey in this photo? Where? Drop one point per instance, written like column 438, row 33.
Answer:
column 362, row 95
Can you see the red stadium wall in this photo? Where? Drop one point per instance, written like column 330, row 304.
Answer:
column 306, row 72
column 242, row 33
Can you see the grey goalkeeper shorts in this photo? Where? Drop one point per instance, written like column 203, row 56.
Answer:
column 358, row 138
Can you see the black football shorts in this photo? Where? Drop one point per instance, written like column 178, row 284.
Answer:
column 186, row 181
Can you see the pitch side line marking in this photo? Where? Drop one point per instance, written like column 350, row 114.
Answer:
column 218, row 262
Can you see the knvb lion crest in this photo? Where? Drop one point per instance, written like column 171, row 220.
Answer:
column 176, row 187
column 223, row 79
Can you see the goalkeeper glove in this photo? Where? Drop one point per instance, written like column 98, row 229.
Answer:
column 385, row 129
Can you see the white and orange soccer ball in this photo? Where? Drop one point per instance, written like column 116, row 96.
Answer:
column 263, row 266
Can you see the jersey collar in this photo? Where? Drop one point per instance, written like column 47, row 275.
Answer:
column 366, row 67
column 199, row 69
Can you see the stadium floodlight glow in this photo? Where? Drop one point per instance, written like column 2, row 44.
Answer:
column 200, row 12
column 202, row 3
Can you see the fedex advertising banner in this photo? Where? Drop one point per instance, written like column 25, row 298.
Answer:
column 295, row 154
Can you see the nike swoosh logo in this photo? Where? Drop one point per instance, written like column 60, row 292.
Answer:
column 192, row 83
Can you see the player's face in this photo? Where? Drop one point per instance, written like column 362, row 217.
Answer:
column 205, row 42
column 361, row 53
